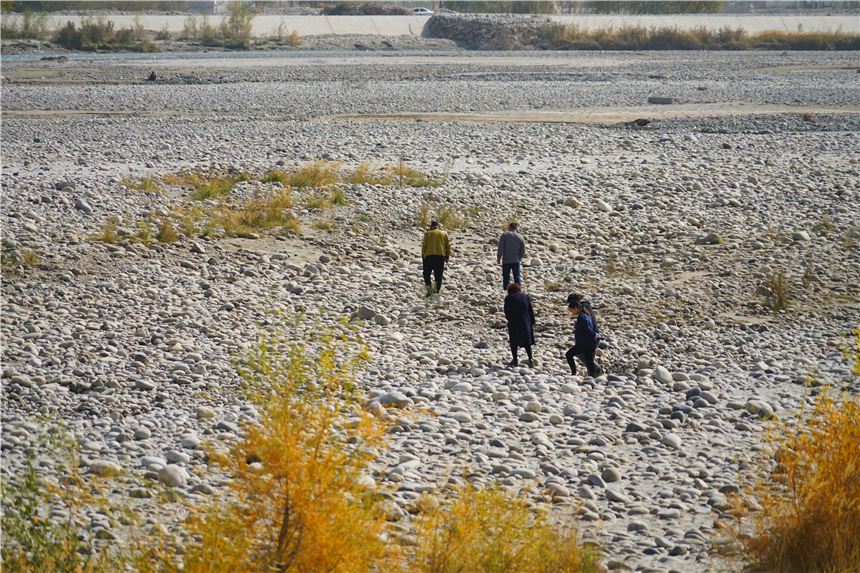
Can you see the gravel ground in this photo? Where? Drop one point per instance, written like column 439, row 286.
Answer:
column 670, row 230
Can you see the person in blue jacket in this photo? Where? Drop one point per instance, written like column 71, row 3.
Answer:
column 585, row 336
column 521, row 322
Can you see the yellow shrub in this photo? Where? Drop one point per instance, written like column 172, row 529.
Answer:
column 296, row 503
column 807, row 498
column 490, row 531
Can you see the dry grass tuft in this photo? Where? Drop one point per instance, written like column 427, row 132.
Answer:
column 261, row 212
column 491, row 530
column 611, row 267
column 108, row 233
column 446, row 215
column 323, row 173
column 806, row 497
column 776, row 289
column 207, row 185
column 147, row 184
column 166, row 232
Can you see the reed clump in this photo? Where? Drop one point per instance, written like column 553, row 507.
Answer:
column 572, row 37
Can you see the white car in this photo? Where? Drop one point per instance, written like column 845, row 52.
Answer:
column 421, row 11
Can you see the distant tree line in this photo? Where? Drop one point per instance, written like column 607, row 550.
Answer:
column 603, row 7
column 121, row 5
column 503, row 7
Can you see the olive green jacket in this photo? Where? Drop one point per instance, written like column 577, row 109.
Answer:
column 436, row 243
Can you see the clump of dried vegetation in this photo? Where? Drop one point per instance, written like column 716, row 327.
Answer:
column 800, row 510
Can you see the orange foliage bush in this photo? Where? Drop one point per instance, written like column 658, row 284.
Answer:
column 807, row 502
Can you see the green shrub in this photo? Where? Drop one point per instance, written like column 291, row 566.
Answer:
column 39, row 539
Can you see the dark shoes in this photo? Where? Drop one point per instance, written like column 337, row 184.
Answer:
column 512, row 364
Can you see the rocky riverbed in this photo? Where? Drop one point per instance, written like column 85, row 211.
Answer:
column 670, row 229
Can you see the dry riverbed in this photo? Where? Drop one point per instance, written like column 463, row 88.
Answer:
column 669, row 228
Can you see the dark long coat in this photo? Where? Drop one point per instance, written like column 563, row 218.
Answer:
column 521, row 319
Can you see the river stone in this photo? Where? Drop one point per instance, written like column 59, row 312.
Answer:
column 173, row 476
column 395, row 400
column 671, row 440
column 662, row 375
column 105, row 468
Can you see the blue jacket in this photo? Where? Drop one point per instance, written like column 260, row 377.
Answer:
column 584, row 333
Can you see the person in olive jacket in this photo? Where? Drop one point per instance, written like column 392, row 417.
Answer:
column 521, row 322
column 435, row 252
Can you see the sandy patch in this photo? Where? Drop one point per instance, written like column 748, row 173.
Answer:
column 593, row 115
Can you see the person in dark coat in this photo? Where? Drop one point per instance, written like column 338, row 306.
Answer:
column 584, row 335
column 521, row 322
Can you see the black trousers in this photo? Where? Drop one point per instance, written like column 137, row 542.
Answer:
column 587, row 354
column 514, row 351
column 434, row 264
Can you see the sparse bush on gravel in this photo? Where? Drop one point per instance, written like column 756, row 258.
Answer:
column 446, row 215
column 801, row 512
column 234, row 31
column 108, row 233
column 258, row 213
column 147, row 184
column 237, row 25
column 197, row 28
column 166, row 231
column 321, row 173
column 280, row 35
